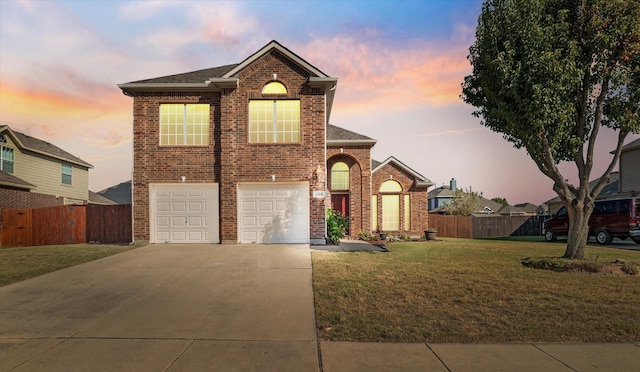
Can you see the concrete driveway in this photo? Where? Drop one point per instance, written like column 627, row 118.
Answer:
column 166, row 307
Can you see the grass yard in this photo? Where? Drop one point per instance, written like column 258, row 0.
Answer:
column 456, row 290
column 22, row 263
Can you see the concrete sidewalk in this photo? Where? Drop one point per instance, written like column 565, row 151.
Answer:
column 355, row 357
column 227, row 308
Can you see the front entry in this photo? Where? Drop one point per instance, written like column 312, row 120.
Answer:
column 340, row 203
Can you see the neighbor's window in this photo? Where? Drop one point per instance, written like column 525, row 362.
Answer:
column 184, row 124
column 66, row 173
column 274, row 121
column 340, row 176
column 6, row 159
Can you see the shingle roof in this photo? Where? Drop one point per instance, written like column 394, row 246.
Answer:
column 120, row 193
column 33, row 144
column 440, row 192
column 199, row 76
column 421, row 181
column 341, row 135
column 13, row 181
column 631, row 145
column 99, row 199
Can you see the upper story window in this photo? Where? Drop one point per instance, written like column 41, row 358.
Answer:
column 274, row 120
column 274, row 87
column 340, row 176
column 184, row 124
column 67, row 171
column 6, row 159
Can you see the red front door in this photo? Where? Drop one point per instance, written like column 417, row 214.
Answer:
column 340, row 203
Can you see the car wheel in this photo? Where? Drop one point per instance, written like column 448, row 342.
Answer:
column 550, row 236
column 637, row 240
column 604, row 237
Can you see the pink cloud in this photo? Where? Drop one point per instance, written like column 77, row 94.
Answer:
column 387, row 77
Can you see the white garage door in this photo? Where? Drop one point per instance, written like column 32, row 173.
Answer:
column 183, row 213
column 273, row 213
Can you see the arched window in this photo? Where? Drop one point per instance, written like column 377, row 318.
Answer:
column 390, row 186
column 390, row 191
column 274, row 87
column 340, row 176
column 276, row 119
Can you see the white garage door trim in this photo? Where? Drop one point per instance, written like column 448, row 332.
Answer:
column 184, row 213
column 273, row 212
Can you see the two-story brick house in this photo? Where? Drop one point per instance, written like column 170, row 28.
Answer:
column 244, row 153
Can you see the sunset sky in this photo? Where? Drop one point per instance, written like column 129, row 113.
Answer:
column 399, row 64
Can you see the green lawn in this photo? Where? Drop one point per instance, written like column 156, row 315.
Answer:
column 22, row 263
column 456, row 290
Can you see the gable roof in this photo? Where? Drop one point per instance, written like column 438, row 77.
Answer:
column 95, row 198
column 337, row 136
column 610, row 188
column 120, row 193
column 217, row 78
column 33, row 144
column 421, row 181
column 631, row 145
column 440, row 192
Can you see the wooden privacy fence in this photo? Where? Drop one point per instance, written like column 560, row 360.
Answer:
column 491, row 226
column 66, row 224
column 451, row 226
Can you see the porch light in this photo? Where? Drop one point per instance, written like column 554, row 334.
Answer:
column 273, row 177
column 183, row 178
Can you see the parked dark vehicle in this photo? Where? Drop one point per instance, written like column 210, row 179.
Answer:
column 613, row 218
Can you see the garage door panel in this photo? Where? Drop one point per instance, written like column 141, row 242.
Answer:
column 163, row 206
column 266, row 206
column 179, row 206
column 163, row 221
column 196, row 207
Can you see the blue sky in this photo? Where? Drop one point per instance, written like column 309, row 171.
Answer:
column 399, row 63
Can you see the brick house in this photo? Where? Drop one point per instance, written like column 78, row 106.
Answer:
column 243, row 153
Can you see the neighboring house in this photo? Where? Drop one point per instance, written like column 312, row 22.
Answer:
column 624, row 183
column 532, row 209
column 244, row 153
column 630, row 168
column 442, row 195
column 95, row 198
column 610, row 190
column 120, row 193
column 35, row 173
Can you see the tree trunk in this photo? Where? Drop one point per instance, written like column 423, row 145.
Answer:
column 578, row 232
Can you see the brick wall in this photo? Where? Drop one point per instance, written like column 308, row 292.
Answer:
column 17, row 199
column 167, row 164
column 245, row 162
column 230, row 159
column 358, row 158
column 418, row 197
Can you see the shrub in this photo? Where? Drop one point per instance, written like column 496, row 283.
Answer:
column 363, row 235
column 337, row 225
